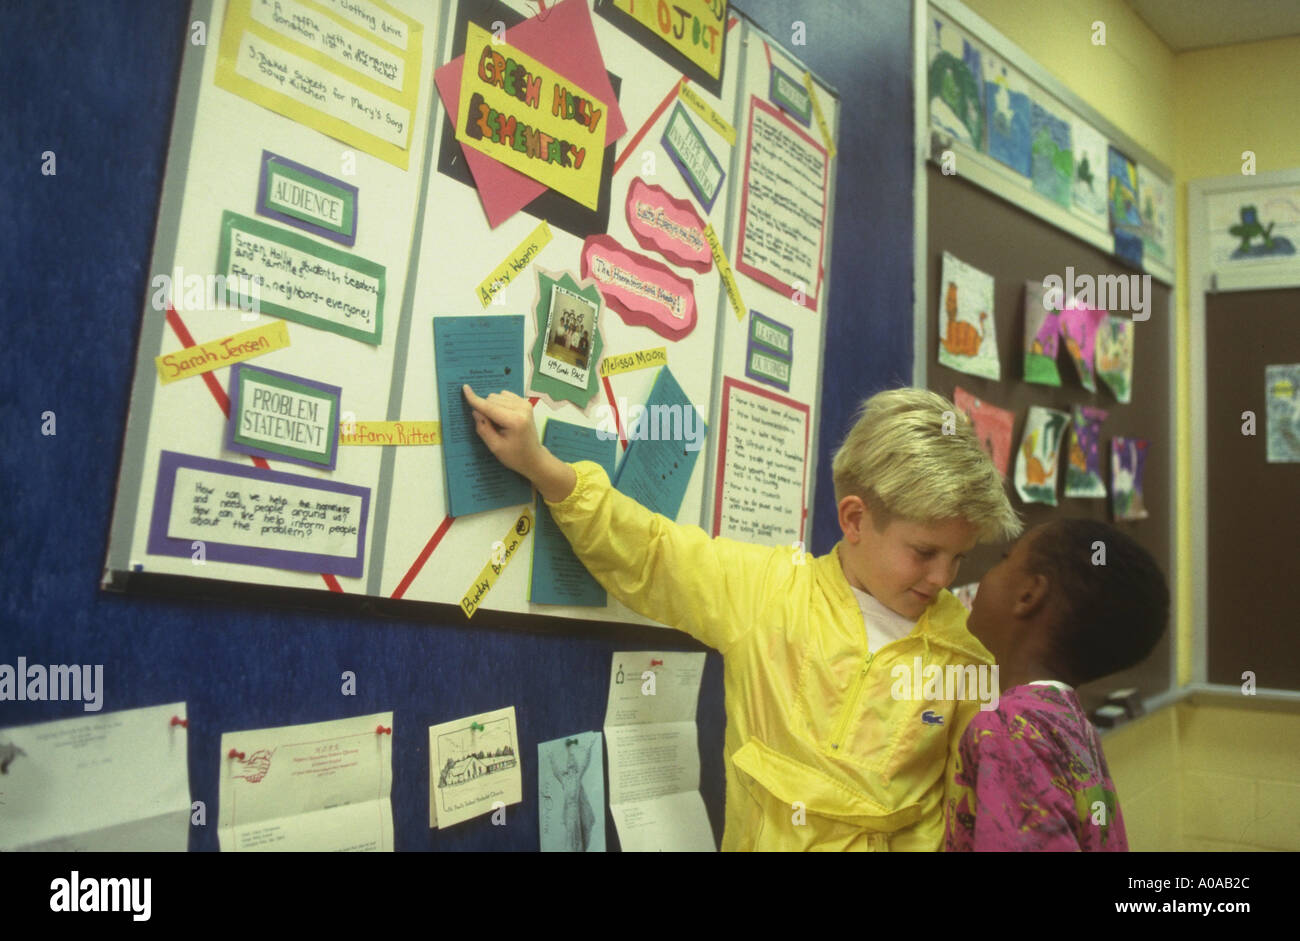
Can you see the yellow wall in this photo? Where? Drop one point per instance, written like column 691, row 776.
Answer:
column 1237, row 98
column 1209, row 774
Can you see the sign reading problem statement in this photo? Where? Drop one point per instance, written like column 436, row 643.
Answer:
column 282, row 417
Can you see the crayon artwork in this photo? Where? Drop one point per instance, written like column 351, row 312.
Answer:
column 1083, row 468
column 1037, row 461
column 1127, row 466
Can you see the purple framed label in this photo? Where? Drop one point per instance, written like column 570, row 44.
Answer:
column 307, row 199
column 769, row 351
column 257, row 517
column 762, row 365
column 282, row 417
column 791, row 95
column 687, row 148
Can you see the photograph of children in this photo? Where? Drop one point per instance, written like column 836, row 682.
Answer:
column 570, row 332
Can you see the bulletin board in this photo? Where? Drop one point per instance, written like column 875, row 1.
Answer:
column 1248, row 485
column 298, row 440
column 1001, row 240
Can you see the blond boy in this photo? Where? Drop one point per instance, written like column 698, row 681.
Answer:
column 824, row 748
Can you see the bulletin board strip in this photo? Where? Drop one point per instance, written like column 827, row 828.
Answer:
column 126, row 505
column 388, row 459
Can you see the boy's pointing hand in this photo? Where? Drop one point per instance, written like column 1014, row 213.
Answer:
column 504, row 422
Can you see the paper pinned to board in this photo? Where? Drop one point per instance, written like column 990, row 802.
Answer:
column 697, row 29
column 557, row 576
column 106, row 782
column 666, row 437
column 762, row 467
column 474, row 767
column 571, row 794
column 654, row 754
column 320, row 787
column 487, row 354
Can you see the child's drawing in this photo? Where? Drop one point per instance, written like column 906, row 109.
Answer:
column 955, row 80
column 1052, row 160
column 1089, row 190
column 1006, row 97
column 1254, row 227
column 1122, row 193
column 1282, row 392
column 967, row 338
column 1114, row 356
column 1083, row 467
column 1042, row 334
column 1036, row 462
column 1079, row 327
column 1125, row 214
column 992, row 427
column 1250, row 228
column 1157, row 212
column 1127, row 464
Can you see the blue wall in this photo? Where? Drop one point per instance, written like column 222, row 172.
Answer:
column 95, row 82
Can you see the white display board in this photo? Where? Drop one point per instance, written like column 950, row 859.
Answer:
column 311, row 147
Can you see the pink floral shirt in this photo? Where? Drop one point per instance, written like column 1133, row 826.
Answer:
column 1030, row 775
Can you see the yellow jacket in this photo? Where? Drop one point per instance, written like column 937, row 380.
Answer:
column 818, row 754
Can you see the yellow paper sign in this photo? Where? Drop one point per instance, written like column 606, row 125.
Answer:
column 821, row 118
column 707, row 112
column 502, row 551
column 724, row 271
column 695, row 28
column 517, row 111
column 205, row 357
column 617, row 363
column 517, row 261
column 346, row 68
column 390, row 432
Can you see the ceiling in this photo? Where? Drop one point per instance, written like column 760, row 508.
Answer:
column 1199, row 24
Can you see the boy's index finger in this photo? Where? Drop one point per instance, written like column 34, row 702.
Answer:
column 492, row 410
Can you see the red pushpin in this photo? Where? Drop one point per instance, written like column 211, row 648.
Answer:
column 183, row 723
column 380, row 730
column 656, row 663
column 236, row 754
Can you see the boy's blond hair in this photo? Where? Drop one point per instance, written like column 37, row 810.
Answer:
column 899, row 461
